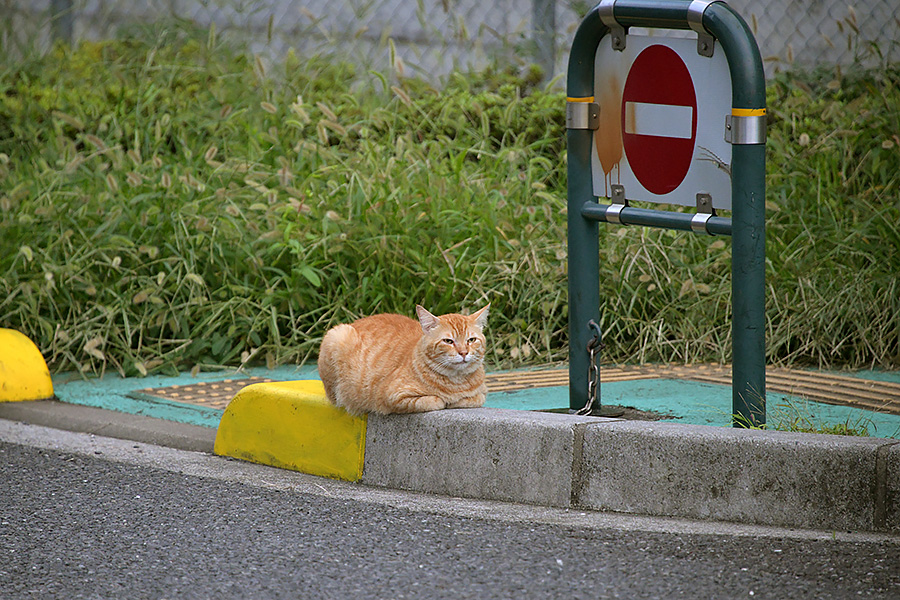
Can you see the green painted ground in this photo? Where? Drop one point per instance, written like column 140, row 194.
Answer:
column 691, row 402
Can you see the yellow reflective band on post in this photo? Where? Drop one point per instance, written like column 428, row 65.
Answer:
column 748, row 112
column 585, row 99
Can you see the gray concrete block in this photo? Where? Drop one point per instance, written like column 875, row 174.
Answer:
column 486, row 453
column 889, row 495
column 768, row 478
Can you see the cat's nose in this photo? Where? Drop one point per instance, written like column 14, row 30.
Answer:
column 462, row 351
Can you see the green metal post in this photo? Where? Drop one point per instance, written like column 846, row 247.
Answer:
column 583, row 235
column 62, row 19
column 748, row 199
column 543, row 19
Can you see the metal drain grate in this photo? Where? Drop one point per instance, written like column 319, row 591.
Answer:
column 879, row 396
column 214, row 394
column 523, row 380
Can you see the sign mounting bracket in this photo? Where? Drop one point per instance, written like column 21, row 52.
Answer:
column 614, row 210
column 706, row 43
column 617, row 33
column 705, row 212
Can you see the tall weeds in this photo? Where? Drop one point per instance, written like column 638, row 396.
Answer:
column 167, row 202
column 834, row 229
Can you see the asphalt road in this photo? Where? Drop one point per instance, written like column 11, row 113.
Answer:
column 86, row 517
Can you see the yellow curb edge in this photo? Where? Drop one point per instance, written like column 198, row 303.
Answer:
column 23, row 372
column 291, row 425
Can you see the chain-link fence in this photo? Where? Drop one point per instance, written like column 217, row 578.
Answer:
column 436, row 36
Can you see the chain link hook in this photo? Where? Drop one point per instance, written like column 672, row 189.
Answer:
column 593, row 347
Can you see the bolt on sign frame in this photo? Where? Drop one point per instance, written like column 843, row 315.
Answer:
column 716, row 23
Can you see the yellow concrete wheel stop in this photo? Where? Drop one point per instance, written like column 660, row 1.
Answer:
column 23, row 373
column 291, row 425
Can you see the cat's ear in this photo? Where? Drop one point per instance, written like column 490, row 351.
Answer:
column 481, row 316
column 426, row 319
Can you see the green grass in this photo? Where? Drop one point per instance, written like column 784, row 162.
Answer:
column 168, row 202
column 796, row 415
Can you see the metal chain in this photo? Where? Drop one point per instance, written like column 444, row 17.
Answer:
column 593, row 371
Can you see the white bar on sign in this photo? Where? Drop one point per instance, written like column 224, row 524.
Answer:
column 664, row 120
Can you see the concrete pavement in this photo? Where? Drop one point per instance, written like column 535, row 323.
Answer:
column 90, row 516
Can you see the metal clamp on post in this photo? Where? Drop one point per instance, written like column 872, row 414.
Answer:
column 746, row 126
column 705, row 212
column 706, row 43
column 582, row 113
column 618, row 203
column 617, row 32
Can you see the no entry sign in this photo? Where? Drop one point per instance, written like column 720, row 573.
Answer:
column 662, row 122
column 659, row 117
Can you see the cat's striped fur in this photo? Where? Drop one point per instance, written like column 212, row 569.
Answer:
column 393, row 364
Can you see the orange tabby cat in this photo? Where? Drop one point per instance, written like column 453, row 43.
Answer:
column 393, row 364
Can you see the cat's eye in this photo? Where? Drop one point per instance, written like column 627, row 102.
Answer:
column 471, row 340
column 448, row 341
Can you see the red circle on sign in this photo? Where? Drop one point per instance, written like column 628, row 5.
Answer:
column 659, row 90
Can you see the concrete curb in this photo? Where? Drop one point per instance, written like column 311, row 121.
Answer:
column 659, row 469
column 107, row 423
column 782, row 479
column 759, row 477
column 485, row 453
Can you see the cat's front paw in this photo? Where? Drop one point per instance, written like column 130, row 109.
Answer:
column 416, row 404
column 470, row 402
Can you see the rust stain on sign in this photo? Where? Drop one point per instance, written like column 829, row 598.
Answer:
column 608, row 137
